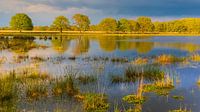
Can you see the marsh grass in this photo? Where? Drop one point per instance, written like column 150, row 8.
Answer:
column 160, row 87
column 178, row 97
column 8, row 88
column 119, row 60
column 85, row 79
column 140, row 61
column 36, row 90
column 65, row 85
column 134, row 99
column 93, row 102
column 195, row 57
column 198, row 81
column 168, row 59
column 180, row 110
column 149, row 72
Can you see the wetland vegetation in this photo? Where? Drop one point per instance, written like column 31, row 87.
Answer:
column 99, row 74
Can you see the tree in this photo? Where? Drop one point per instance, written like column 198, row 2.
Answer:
column 124, row 25
column 108, row 24
column 159, row 27
column 60, row 23
column 82, row 22
column 20, row 22
column 146, row 24
column 134, row 25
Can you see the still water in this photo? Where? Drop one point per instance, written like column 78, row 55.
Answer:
column 88, row 55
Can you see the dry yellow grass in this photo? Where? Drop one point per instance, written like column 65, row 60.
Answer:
column 195, row 57
column 140, row 61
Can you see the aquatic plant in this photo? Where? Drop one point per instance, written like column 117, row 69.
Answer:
column 195, row 57
column 149, row 72
column 180, row 110
column 178, row 97
column 94, row 102
column 85, row 79
column 37, row 59
column 160, row 87
column 117, row 79
column 8, row 88
column 140, row 61
column 198, row 81
column 121, row 60
column 65, row 85
column 167, row 59
column 37, row 90
column 134, row 99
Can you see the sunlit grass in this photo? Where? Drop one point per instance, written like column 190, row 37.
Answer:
column 198, row 81
column 160, row 87
column 195, row 57
column 180, row 110
column 168, row 59
column 93, row 102
column 140, row 61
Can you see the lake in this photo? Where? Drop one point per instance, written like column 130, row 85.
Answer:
column 118, row 66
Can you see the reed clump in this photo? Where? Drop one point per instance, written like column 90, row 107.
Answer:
column 195, row 57
column 168, row 59
column 93, row 102
column 140, row 61
column 161, row 87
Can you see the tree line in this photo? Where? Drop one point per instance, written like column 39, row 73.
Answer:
column 81, row 22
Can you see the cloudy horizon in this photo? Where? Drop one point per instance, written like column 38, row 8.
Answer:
column 43, row 12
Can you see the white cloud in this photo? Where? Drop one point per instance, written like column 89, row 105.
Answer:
column 42, row 13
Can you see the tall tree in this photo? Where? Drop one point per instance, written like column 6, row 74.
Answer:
column 108, row 24
column 124, row 25
column 20, row 22
column 60, row 23
column 159, row 27
column 146, row 24
column 82, row 21
column 134, row 25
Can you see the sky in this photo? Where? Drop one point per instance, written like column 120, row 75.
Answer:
column 43, row 12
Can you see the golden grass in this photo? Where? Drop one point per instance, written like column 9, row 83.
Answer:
column 140, row 61
column 195, row 57
column 167, row 59
column 198, row 81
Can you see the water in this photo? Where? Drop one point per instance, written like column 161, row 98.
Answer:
column 89, row 51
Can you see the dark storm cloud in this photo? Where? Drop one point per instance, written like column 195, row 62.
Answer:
column 97, row 9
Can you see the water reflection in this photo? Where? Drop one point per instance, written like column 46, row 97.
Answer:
column 82, row 45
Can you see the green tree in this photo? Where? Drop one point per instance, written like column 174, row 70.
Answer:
column 159, row 27
column 60, row 23
column 146, row 24
column 124, row 25
column 108, row 24
column 20, row 22
column 134, row 25
column 82, row 22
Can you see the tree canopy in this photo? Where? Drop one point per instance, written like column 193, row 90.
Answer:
column 108, row 24
column 82, row 21
column 60, row 23
column 143, row 24
column 20, row 22
column 146, row 24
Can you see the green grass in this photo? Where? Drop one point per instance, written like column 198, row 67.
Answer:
column 93, row 102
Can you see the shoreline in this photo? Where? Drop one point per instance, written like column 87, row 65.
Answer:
column 91, row 33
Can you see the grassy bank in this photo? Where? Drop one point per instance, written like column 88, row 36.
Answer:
column 103, row 33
